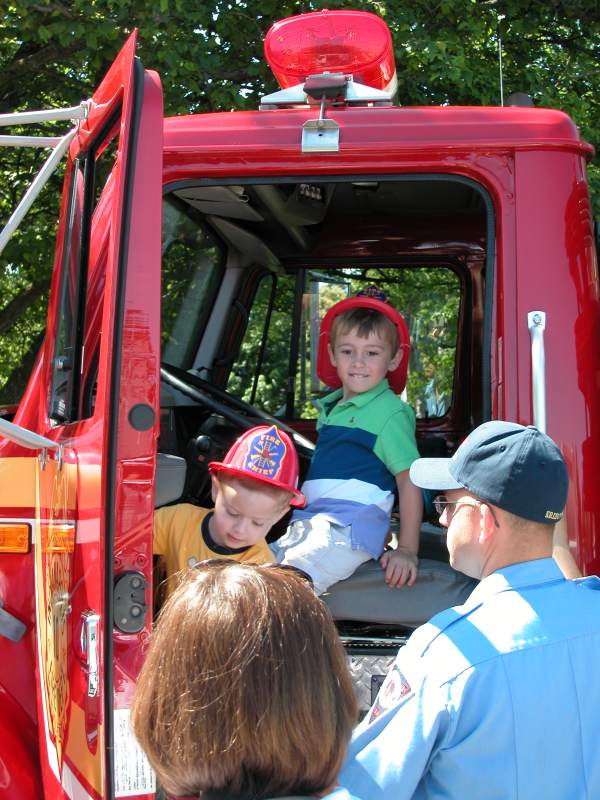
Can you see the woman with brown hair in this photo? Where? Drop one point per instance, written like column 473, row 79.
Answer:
column 245, row 691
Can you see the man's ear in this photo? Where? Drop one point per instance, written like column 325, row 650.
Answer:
column 396, row 360
column 487, row 524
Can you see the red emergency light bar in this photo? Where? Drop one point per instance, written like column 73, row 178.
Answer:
column 355, row 43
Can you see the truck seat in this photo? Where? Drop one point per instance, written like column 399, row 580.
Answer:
column 170, row 479
column 364, row 596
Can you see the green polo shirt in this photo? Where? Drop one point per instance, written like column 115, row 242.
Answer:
column 364, row 442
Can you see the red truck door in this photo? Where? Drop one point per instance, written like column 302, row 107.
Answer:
column 98, row 398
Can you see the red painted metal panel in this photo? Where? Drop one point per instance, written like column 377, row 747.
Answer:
column 19, row 763
column 71, row 723
column 556, row 272
column 243, row 139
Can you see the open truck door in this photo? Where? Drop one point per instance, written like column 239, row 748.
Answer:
column 91, row 479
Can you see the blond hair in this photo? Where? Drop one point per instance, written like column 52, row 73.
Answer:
column 365, row 321
column 281, row 496
column 245, row 689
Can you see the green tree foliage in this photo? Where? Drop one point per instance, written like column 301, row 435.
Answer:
column 209, row 55
column 259, row 374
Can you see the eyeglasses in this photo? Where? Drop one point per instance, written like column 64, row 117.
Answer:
column 228, row 562
column 441, row 504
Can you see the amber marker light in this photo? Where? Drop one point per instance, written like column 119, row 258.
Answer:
column 58, row 537
column 14, row 537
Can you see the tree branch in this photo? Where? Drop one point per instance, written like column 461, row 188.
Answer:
column 19, row 304
column 22, row 68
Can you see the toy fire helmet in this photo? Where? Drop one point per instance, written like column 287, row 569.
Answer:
column 266, row 454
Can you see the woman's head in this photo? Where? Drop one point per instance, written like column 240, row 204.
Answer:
column 245, row 688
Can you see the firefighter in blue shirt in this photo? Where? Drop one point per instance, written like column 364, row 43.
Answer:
column 497, row 698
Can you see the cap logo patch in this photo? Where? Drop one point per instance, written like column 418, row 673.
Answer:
column 372, row 291
column 265, row 455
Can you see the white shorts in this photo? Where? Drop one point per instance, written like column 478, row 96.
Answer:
column 321, row 548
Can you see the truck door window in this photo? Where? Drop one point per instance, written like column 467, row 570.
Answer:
column 192, row 267
column 429, row 298
column 259, row 374
column 77, row 338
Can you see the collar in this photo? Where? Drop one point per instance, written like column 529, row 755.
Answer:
column 359, row 400
column 525, row 575
column 220, row 549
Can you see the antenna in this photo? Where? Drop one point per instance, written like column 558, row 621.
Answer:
column 499, row 36
column 500, row 67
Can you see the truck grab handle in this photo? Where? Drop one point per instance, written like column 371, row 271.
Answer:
column 30, row 440
column 536, row 322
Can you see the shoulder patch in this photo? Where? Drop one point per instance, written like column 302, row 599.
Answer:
column 393, row 689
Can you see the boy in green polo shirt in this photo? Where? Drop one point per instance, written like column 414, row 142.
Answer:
column 365, row 448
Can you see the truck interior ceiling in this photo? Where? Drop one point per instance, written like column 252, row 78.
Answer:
column 250, row 268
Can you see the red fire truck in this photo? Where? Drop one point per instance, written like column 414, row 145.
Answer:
column 195, row 257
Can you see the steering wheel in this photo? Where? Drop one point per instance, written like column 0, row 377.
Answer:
column 238, row 412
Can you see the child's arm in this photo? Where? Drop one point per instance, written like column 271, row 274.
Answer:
column 400, row 565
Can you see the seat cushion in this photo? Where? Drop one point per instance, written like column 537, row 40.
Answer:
column 364, row 596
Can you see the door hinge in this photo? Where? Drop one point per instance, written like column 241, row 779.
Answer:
column 10, row 627
column 130, row 607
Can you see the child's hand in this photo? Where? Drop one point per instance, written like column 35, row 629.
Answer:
column 400, row 567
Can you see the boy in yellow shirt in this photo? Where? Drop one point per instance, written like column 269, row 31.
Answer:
column 252, row 488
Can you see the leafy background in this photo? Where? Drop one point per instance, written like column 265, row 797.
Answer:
column 209, row 56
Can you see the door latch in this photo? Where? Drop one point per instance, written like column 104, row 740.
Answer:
column 89, row 650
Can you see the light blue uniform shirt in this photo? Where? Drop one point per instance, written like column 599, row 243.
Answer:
column 498, row 698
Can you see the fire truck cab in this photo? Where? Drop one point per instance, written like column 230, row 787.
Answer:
column 194, row 260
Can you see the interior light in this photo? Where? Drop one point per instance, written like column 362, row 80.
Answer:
column 312, row 192
column 366, row 186
column 355, row 43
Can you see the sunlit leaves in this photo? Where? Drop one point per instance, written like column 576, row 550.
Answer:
column 209, row 55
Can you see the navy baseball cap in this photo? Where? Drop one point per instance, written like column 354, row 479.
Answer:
column 515, row 468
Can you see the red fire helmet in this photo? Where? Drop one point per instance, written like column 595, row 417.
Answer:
column 325, row 369
column 266, row 454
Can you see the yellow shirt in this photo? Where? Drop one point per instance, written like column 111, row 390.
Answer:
column 181, row 535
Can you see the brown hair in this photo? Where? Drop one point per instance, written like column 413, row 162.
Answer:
column 365, row 321
column 245, row 689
